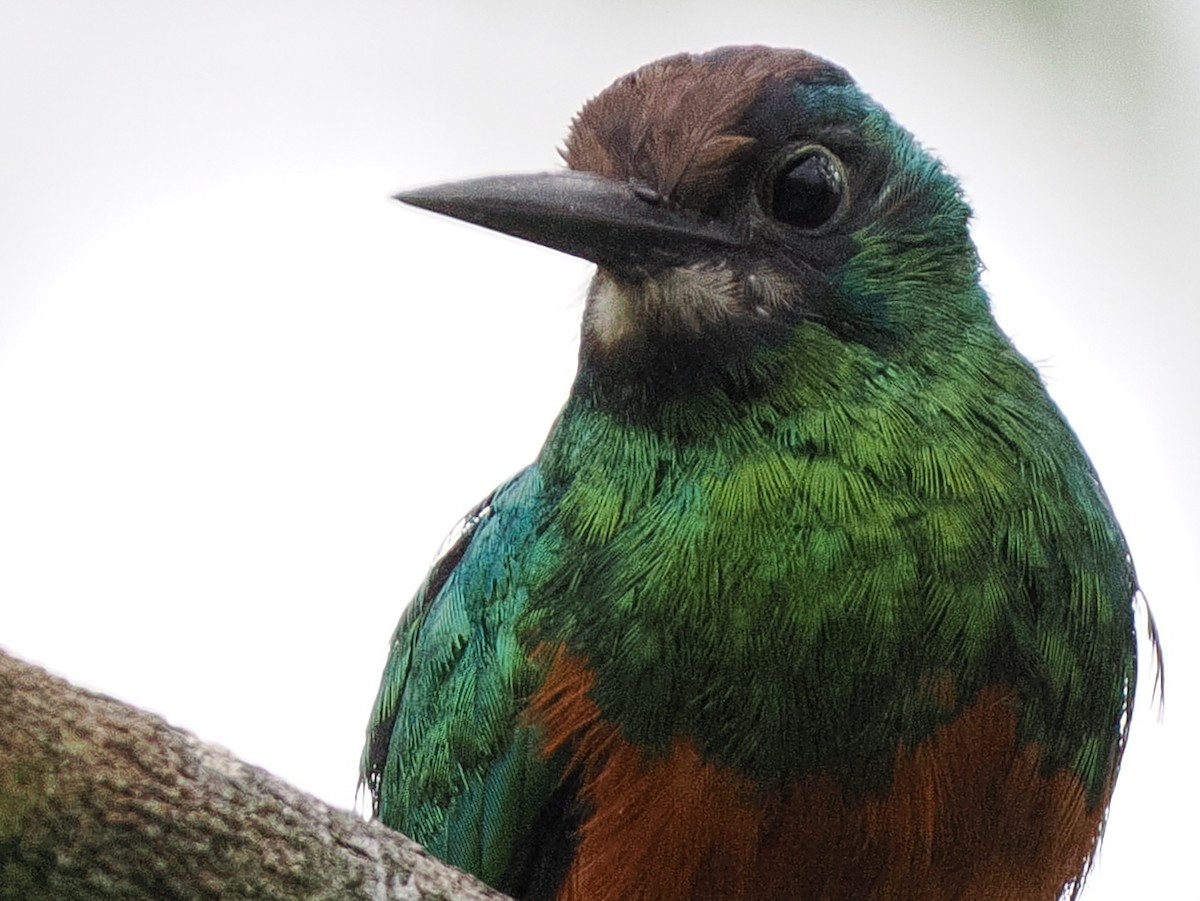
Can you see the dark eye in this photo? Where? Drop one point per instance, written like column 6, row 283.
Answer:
column 808, row 189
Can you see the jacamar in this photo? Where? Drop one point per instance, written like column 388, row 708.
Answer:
column 812, row 592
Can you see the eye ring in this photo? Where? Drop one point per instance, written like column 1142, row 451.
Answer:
column 808, row 188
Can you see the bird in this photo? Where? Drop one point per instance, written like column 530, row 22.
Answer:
column 812, row 591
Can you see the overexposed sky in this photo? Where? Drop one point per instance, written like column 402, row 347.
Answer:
column 243, row 395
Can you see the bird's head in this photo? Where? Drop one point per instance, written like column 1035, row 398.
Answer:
column 731, row 201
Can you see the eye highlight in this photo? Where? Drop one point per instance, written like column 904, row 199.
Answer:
column 808, row 189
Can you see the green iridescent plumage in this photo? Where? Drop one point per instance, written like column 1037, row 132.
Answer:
column 771, row 527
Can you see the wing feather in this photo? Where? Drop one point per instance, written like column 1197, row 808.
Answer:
column 448, row 760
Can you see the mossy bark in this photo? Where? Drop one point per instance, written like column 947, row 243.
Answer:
column 100, row 800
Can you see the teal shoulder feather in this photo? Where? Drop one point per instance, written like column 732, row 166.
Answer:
column 447, row 761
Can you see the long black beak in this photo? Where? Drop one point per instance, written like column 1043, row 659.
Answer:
column 616, row 224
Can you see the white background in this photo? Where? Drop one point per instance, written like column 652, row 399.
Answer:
column 243, row 396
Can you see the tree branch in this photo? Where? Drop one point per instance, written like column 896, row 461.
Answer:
column 101, row 800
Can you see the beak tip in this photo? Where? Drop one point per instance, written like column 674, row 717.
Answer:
column 412, row 197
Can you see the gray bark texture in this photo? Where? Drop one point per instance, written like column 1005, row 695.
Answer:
column 100, row 800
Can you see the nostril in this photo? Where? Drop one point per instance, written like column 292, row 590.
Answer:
column 644, row 192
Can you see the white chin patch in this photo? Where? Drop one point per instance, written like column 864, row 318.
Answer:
column 681, row 300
